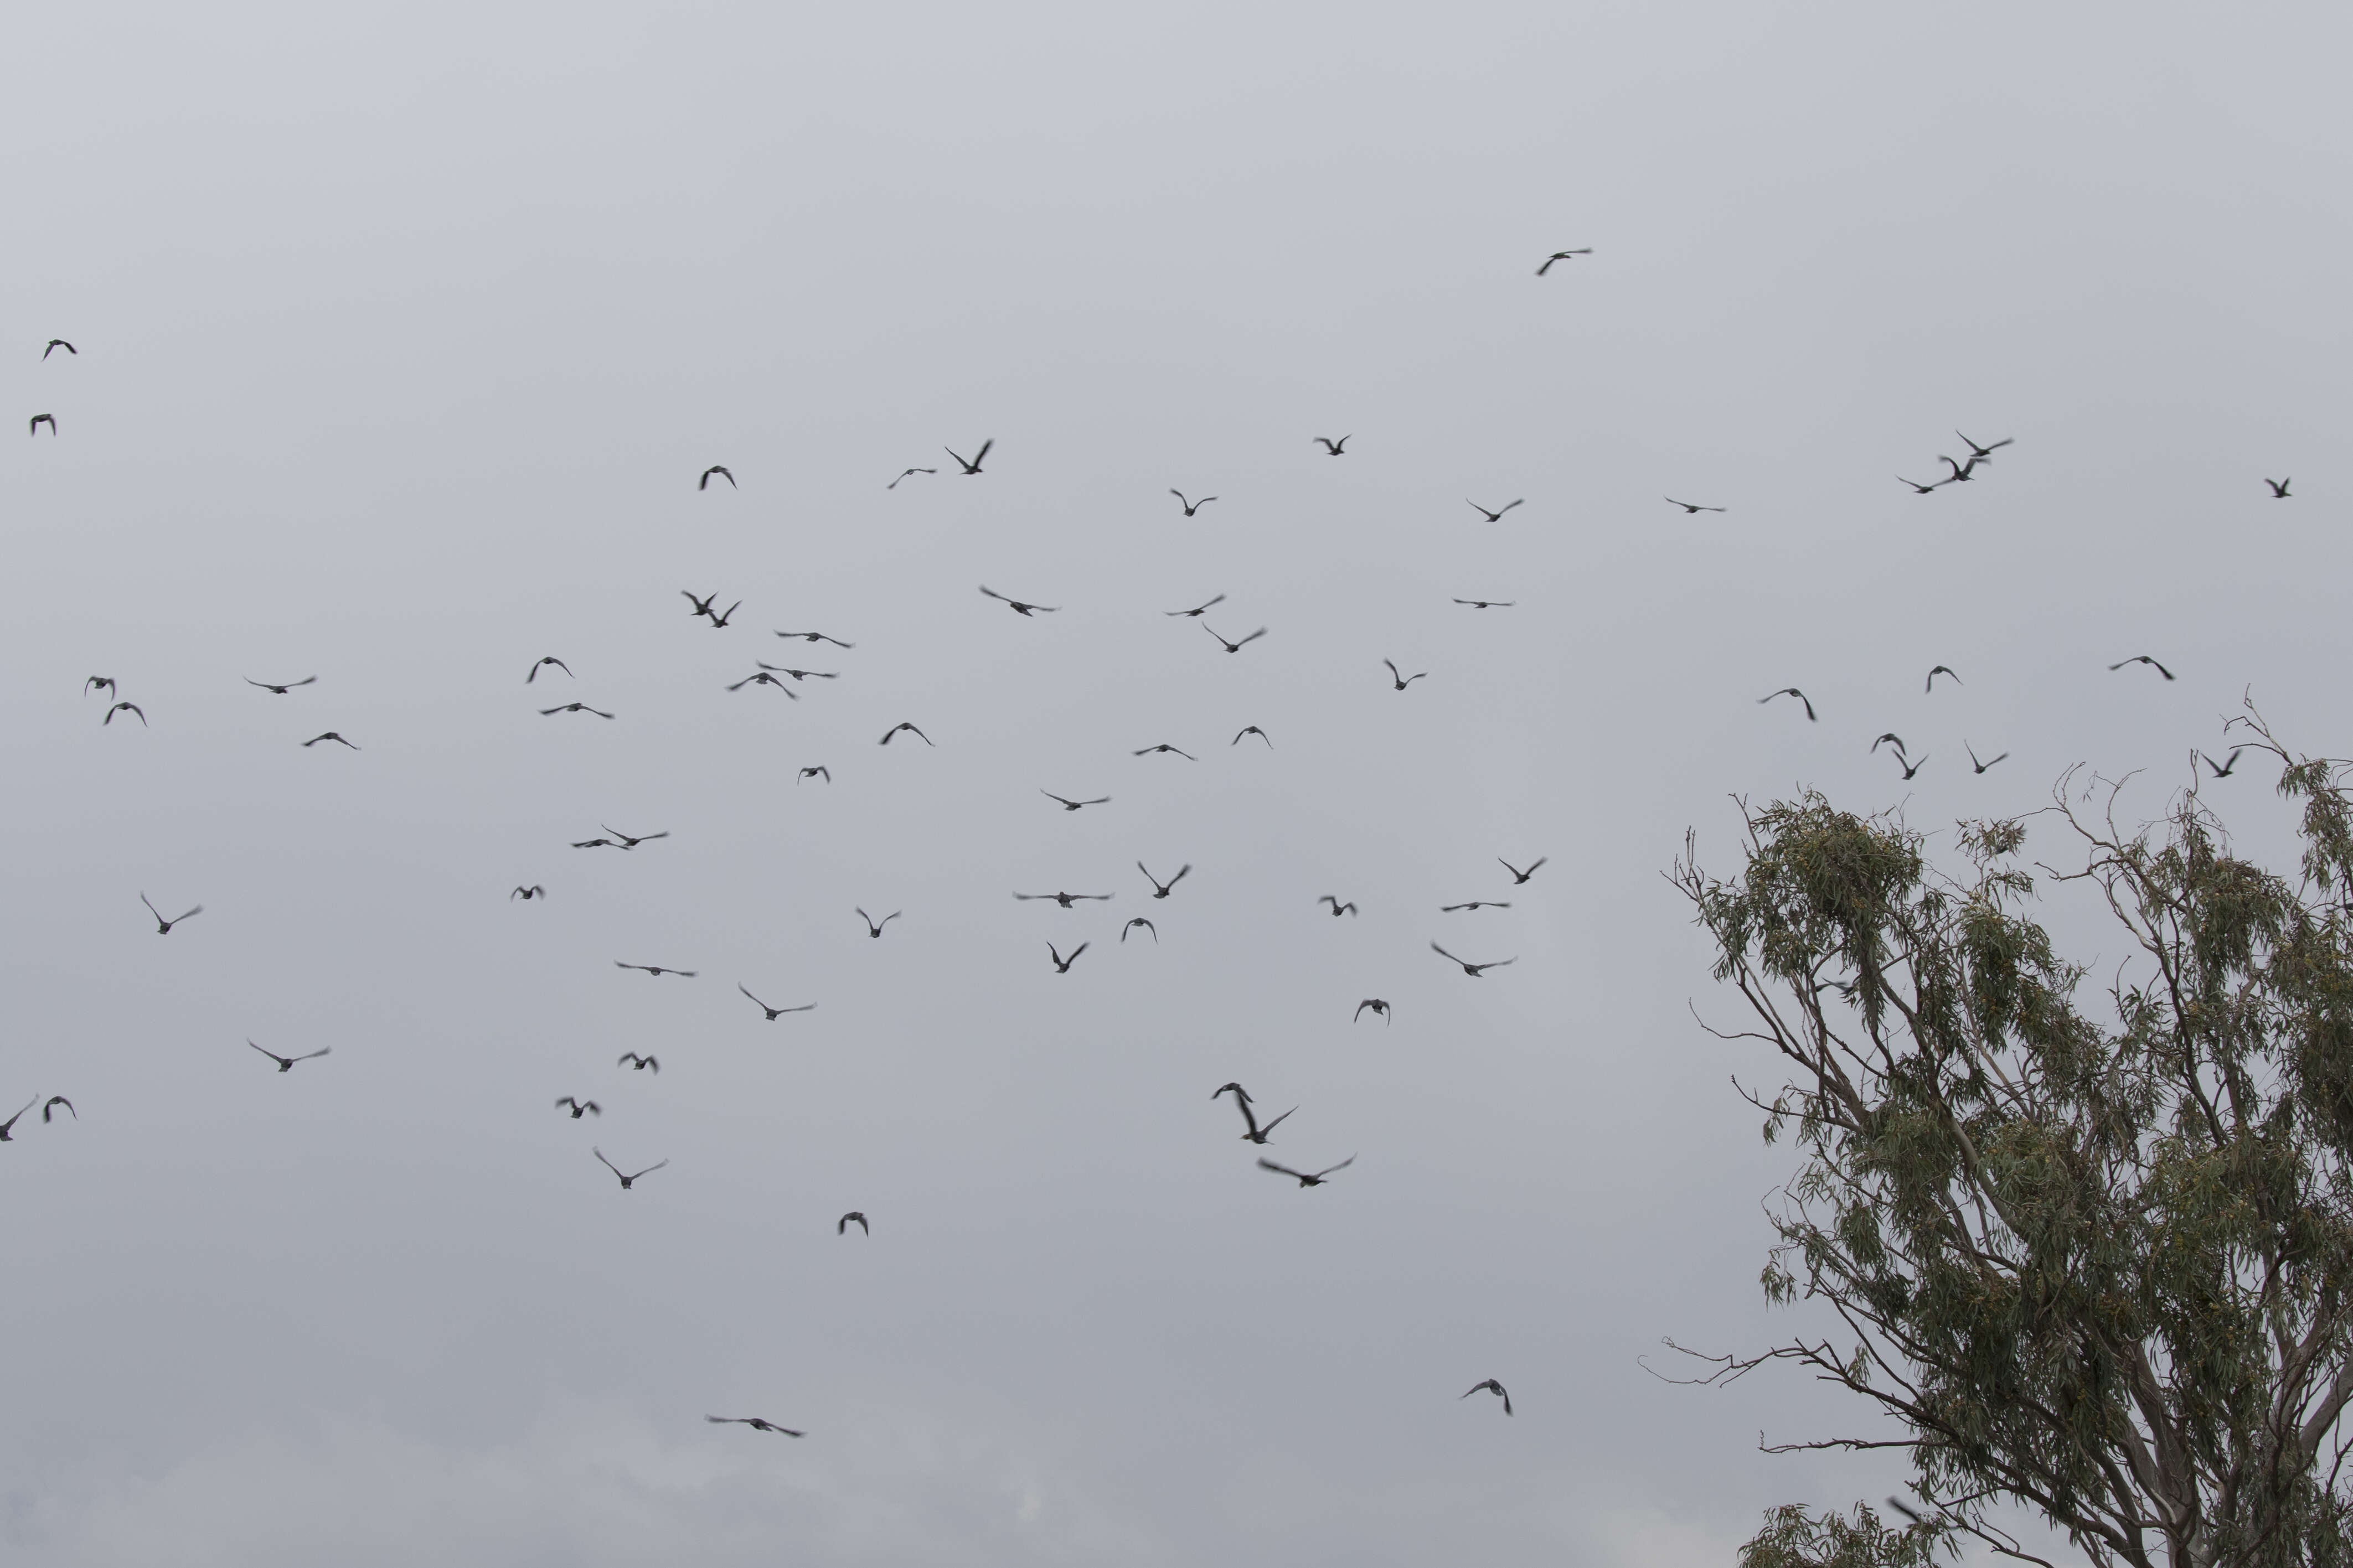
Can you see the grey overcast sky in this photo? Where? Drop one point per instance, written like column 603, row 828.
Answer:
column 404, row 331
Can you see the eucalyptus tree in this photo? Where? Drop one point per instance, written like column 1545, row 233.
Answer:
column 2085, row 1251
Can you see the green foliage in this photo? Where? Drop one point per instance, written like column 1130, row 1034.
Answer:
column 2099, row 1260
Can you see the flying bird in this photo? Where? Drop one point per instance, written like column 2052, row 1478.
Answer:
column 625, row 1181
column 1338, row 909
column 124, row 708
column 629, row 842
column 1191, row 506
column 1984, row 454
column 331, row 735
column 281, row 690
column 1920, row 489
column 908, row 728
column 814, row 636
column 51, row 1104
column 635, row 1063
column 1164, row 746
column 1491, row 1386
column 1474, row 970
column 904, row 473
column 1789, row 692
column 1910, row 766
column 580, row 1107
column 286, row 1064
column 718, row 623
column 595, row 844
column 1692, row 509
column 1250, row 729
column 820, row 771
column 1160, row 888
column 1074, row 805
column 527, row 894
column 2279, row 487
column 1233, row 647
column 1068, row 899
column 978, row 457
column 100, row 682
column 55, row 343
column 1973, row 758
column 1380, row 1007
column 873, row 926
column 1562, row 256
column 2223, row 771
column 799, row 675
column 1935, row 671
column 754, row 1422
column 1252, row 1131
column 701, row 606
column 1883, row 740
column 1497, row 515
column 1197, row 608
column 705, row 482
column 1305, row 1179
column 762, row 677
column 1018, row 607
column 1334, row 448
column 1488, row 603
column 7, row 1134
column 1519, row 877
column 1403, row 680
column 1140, row 920
column 655, row 970
column 40, row 420
column 533, row 674
column 1962, row 472
column 2142, row 658
column 1474, row 904
column 842, row 1226
column 1061, row 964
column 774, row 1012
column 164, row 927
column 573, row 708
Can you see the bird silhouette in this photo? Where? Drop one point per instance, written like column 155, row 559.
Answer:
column 629, row 842
column 1474, row 904
column 978, row 457
column 7, row 1133
column 1883, row 740
column 1403, row 680
column 1068, row 899
column 1252, row 1131
column 1488, row 603
column 2141, row 658
column 533, row 674
column 1018, row 607
column 903, row 473
column 1910, row 766
column 754, row 1422
column 627, row 1180
column 842, row 1226
column 580, row 1108
column 1160, row 888
column 1139, row 920
column 124, row 708
column 2223, row 771
column 1164, row 746
column 527, row 894
column 1962, row 472
column 55, row 343
column 1191, row 506
column 1474, row 970
column 1973, row 759
column 1068, row 804
column 705, row 482
column 774, row 1012
column 164, row 927
column 799, row 675
column 873, row 926
column 1692, row 509
column 908, row 728
column 331, row 735
column 572, row 707
column 1562, row 256
column 1334, row 448
column 1519, row 877
column 98, row 683
column 1920, row 489
column 1380, row 1007
column 595, row 844
column 1338, row 909
column 40, row 420
column 635, row 1063
column 1233, row 647
column 52, row 1104
column 1197, row 608
column 762, row 677
column 1304, row 1178
column 820, row 771
column 2279, row 487
column 656, row 970
column 1491, row 1386
column 1935, row 671
column 701, row 606
column 1984, row 454
column 1061, row 964
column 280, row 691
column 718, row 623
column 1496, row 515
column 816, row 637
column 286, row 1064
column 1789, row 692
column 1250, row 729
